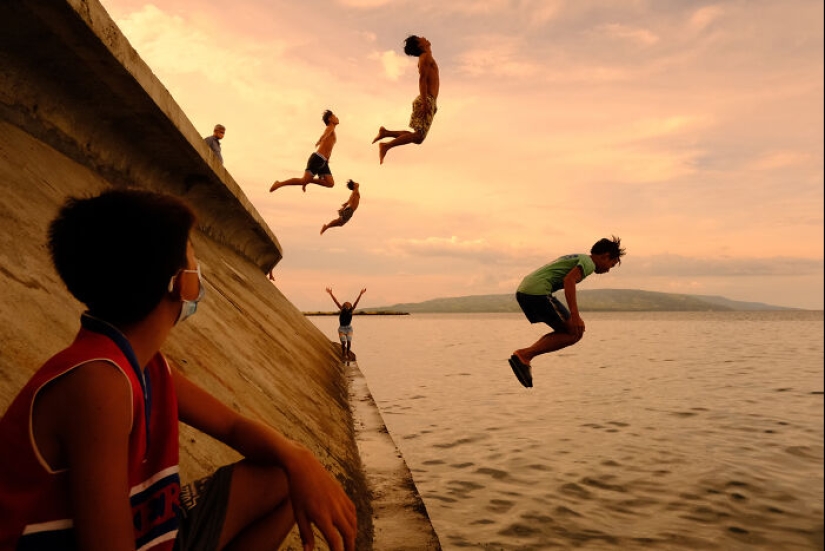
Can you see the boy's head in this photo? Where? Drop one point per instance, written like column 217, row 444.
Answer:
column 116, row 252
column 347, row 306
column 327, row 116
column 607, row 253
column 351, row 185
column 414, row 45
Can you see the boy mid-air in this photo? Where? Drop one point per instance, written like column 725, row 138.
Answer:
column 347, row 209
column 535, row 297
column 318, row 162
column 424, row 107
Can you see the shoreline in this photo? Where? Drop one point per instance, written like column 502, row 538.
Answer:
column 399, row 517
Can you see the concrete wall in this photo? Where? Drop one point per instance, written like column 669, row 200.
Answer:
column 80, row 112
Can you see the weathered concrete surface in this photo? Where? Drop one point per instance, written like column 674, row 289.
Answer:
column 80, row 112
column 398, row 510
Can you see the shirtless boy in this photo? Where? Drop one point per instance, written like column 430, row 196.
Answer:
column 318, row 163
column 347, row 209
column 424, row 106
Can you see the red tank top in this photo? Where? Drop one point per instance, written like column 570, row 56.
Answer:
column 35, row 511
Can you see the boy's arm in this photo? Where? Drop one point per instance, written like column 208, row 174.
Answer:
column 329, row 130
column 93, row 409
column 355, row 304
column 315, row 495
column 335, row 300
column 570, row 280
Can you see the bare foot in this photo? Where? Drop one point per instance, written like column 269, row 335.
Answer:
column 382, row 133
column 275, row 186
column 304, row 187
column 382, row 150
column 323, row 229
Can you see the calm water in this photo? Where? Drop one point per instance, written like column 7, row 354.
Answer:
column 656, row 431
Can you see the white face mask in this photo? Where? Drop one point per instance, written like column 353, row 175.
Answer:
column 189, row 307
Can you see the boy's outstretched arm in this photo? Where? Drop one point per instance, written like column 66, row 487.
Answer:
column 335, row 300
column 355, row 304
column 316, row 496
column 573, row 277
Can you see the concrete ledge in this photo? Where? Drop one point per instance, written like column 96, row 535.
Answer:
column 71, row 79
column 399, row 517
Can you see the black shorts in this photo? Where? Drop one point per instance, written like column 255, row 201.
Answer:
column 317, row 165
column 345, row 214
column 203, row 509
column 544, row 309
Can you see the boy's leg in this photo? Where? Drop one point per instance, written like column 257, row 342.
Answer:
column 302, row 181
column 545, row 309
column 403, row 138
column 324, row 180
column 335, row 223
column 384, row 133
column 548, row 343
column 259, row 513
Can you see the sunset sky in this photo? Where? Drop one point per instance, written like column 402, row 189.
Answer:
column 694, row 131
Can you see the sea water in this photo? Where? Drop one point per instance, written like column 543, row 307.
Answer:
column 663, row 431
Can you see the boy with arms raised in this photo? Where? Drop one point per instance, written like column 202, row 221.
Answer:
column 95, row 430
column 535, row 297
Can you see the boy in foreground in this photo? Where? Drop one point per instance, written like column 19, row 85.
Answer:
column 95, row 430
column 535, row 297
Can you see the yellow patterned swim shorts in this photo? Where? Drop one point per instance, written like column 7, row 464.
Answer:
column 423, row 111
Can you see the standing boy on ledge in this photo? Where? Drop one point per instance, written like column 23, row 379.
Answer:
column 345, row 323
column 535, row 297
column 90, row 458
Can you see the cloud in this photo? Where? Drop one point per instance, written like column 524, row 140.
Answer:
column 640, row 36
column 364, row 4
column 775, row 160
column 500, row 57
column 475, row 250
column 720, row 266
column 394, row 65
column 705, row 16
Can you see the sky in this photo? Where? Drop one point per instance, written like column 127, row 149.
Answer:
column 693, row 131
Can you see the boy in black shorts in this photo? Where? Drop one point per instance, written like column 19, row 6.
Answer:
column 535, row 297
column 318, row 162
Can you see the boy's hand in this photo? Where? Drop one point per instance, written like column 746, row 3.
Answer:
column 576, row 325
column 318, row 499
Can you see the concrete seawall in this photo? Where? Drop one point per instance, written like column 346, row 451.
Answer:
column 81, row 112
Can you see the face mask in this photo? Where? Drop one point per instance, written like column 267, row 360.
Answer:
column 189, row 307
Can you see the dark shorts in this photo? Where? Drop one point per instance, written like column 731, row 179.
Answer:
column 544, row 309
column 203, row 509
column 317, row 165
column 345, row 214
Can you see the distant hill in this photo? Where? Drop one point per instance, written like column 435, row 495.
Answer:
column 595, row 300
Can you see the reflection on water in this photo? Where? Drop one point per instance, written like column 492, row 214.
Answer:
column 657, row 431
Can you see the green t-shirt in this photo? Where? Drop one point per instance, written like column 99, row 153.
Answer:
column 550, row 278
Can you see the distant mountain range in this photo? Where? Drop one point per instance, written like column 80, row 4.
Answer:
column 595, row 300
